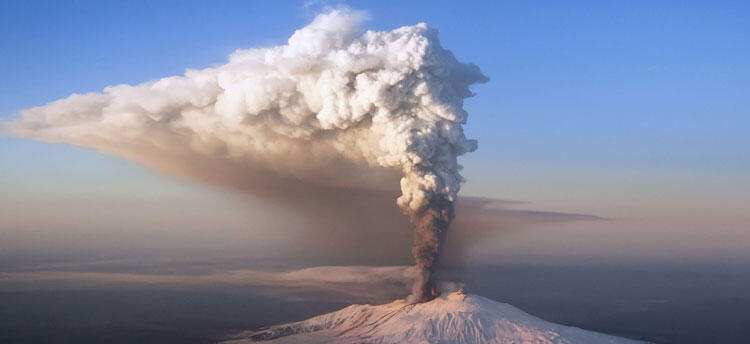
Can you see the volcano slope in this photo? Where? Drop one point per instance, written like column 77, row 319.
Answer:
column 453, row 318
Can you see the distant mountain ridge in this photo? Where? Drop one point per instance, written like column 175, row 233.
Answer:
column 453, row 318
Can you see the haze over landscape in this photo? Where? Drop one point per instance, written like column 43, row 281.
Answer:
column 283, row 173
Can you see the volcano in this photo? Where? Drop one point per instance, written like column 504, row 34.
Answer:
column 450, row 318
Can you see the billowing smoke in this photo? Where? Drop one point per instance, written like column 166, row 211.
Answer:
column 334, row 108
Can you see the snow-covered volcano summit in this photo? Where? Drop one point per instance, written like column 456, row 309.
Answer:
column 452, row 318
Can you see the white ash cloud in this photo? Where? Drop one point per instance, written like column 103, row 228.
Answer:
column 332, row 108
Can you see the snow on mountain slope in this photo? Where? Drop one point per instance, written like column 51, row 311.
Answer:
column 452, row 318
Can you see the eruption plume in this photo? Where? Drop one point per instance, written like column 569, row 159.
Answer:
column 333, row 108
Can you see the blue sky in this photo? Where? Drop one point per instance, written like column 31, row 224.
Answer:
column 592, row 106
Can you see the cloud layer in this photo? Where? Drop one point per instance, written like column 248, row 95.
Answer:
column 368, row 282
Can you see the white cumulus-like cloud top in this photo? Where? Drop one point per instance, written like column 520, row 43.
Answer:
column 331, row 94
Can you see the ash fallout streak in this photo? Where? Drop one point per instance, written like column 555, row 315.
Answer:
column 333, row 109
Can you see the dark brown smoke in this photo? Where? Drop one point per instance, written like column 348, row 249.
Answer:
column 430, row 229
